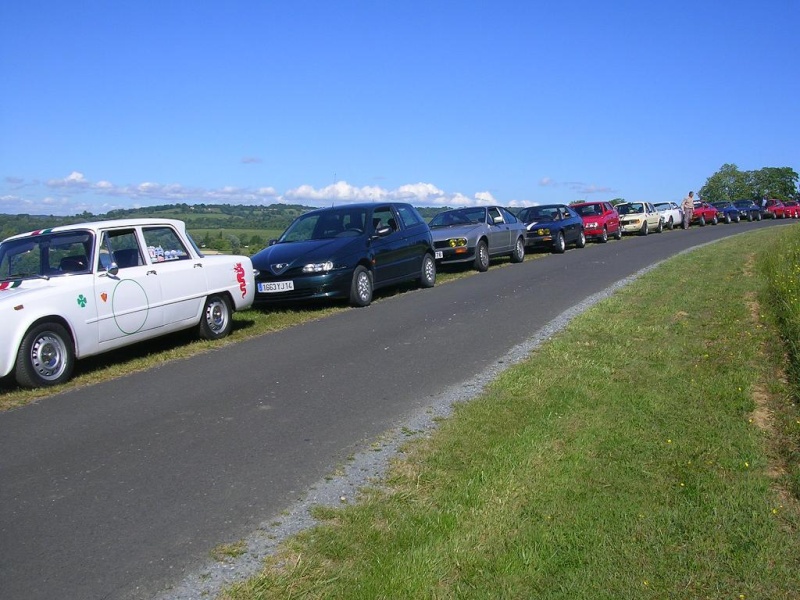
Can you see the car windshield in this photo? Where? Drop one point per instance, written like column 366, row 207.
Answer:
column 461, row 216
column 327, row 224
column 43, row 256
column 663, row 206
column 588, row 210
column 539, row 213
column 631, row 208
column 720, row 204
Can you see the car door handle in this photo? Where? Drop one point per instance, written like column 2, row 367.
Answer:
column 196, row 265
column 153, row 272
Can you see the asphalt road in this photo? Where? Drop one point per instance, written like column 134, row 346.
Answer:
column 119, row 489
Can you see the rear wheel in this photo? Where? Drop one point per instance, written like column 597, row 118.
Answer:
column 216, row 321
column 618, row 234
column 46, row 356
column 581, row 241
column 702, row 221
column 428, row 277
column 482, row 257
column 361, row 287
column 518, row 255
column 604, row 235
column 671, row 224
column 727, row 218
column 645, row 229
column 660, row 227
column 715, row 220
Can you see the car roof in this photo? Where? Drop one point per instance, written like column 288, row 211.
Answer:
column 106, row 224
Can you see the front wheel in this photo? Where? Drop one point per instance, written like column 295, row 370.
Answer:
column 217, row 319
column 618, row 235
column 46, row 356
column 560, row 244
column 581, row 241
column 604, row 235
column 482, row 257
column 702, row 221
column 361, row 287
column 727, row 219
column 715, row 220
column 428, row 277
column 660, row 227
column 518, row 255
column 645, row 229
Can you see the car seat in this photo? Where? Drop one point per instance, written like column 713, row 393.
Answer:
column 127, row 257
column 73, row 264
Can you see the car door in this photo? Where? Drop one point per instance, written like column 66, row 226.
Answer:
column 390, row 252
column 499, row 231
column 611, row 217
column 129, row 291
column 573, row 223
column 181, row 275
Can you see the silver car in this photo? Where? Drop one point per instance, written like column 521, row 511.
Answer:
column 477, row 234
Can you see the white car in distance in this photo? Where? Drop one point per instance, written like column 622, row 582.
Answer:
column 671, row 214
column 78, row 290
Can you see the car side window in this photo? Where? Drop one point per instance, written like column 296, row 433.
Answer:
column 409, row 216
column 508, row 216
column 163, row 244
column 121, row 247
column 383, row 217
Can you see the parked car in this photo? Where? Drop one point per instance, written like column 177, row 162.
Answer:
column 748, row 210
column 346, row 252
column 775, row 209
column 639, row 217
column 671, row 214
column 727, row 212
column 552, row 226
column 78, row 290
column 704, row 213
column 477, row 234
column 600, row 220
column 791, row 209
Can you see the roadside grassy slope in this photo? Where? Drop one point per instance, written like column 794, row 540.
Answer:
column 636, row 455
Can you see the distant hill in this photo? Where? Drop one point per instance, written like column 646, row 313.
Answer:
column 198, row 217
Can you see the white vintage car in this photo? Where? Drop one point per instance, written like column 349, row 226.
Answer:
column 78, row 290
column 671, row 214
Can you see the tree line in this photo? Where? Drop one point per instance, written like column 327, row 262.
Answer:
column 729, row 183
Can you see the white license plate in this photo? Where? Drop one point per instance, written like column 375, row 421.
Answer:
column 438, row 254
column 276, row 286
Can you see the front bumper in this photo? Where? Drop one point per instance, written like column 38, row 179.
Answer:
column 334, row 284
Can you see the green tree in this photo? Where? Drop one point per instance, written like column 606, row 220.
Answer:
column 775, row 182
column 729, row 183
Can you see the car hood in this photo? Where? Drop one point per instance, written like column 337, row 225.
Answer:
column 286, row 255
column 16, row 290
column 448, row 231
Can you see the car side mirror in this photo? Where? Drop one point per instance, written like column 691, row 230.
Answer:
column 498, row 220
column 383, row 231
column 272, row 242
column 113, row 269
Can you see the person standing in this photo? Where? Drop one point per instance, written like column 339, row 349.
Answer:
column 688, row 209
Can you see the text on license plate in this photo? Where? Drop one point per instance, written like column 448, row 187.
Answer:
column 276, row 286
column 438, row 254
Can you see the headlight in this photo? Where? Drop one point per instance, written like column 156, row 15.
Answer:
column 457, row 242
column 323, row 267
column 591, row 225
column 543, row 231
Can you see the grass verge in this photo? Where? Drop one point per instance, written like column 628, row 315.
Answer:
column 633, row 456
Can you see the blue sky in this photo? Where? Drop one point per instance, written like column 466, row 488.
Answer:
column 108, row 105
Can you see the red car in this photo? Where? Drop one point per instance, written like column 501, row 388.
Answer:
column 775, row 209
column 600, row 220
column 792, row 209
column 705, row 213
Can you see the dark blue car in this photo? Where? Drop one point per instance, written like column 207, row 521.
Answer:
column 552, row 227
column 346, row 252
column 748, row 210
column 728, row 213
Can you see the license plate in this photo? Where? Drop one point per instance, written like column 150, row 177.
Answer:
column 438, row 254
column 276, row 286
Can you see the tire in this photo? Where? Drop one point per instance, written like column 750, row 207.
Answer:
column 581, row 241
column 645, row 229
column 560, row 244
column 427, row 278
column 671, row 224
column 715, row 220
column 518, row 255
column 738, row 218
column 759, row 217
column 727, row 219
column 604, row 235
column 750, row 217
column 46, row 356
column 618, row 235
column 702, row 221
column 660, row 227
column 361, row 287
column 481, row 257
column 216, row 321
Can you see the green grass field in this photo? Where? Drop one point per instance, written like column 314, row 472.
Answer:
column 627, row 458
